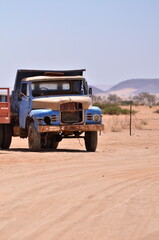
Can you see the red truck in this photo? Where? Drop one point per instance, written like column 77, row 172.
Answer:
column 5, row 128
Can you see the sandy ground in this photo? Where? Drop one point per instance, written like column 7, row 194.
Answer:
column 112, row 194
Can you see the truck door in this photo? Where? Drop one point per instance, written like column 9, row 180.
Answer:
column 24, row 105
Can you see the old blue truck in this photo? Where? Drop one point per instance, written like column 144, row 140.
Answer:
column 48, row 106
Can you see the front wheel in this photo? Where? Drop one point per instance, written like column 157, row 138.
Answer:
column 34, row 139
column 91, row 139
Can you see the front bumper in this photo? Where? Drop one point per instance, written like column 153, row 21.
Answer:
column 71, row 128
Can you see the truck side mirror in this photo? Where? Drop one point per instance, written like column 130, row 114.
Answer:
column 90, row 91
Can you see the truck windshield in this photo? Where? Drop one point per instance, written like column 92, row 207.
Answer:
column 47, row 88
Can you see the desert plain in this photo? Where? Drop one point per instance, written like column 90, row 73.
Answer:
column 71, row 194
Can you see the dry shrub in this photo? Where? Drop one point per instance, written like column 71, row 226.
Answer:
column 144, row 122
column 139, row 123
column 125, row 123
column 116, row 124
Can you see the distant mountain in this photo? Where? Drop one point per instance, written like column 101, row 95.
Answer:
column 96, row 90
column 134, row 87
column 104, row 87
column 141, row 85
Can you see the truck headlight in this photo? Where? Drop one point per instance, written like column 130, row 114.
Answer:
column 96, row 118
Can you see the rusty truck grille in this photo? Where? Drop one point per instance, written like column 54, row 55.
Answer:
column 71, row 117
column 71, row 112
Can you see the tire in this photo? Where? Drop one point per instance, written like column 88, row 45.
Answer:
column 1, row 135
column 7, row 136
column 91, row 139
column 34, row 139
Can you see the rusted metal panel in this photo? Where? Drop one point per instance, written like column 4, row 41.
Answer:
column 72, row 128
column 5, row 108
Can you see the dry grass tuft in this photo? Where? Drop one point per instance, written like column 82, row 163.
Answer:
column 116, row 124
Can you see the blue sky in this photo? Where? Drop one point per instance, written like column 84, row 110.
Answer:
column 114, row 40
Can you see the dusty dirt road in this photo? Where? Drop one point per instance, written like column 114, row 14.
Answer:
column 112, row 194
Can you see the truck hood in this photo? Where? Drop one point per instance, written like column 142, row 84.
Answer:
column 54, row 102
